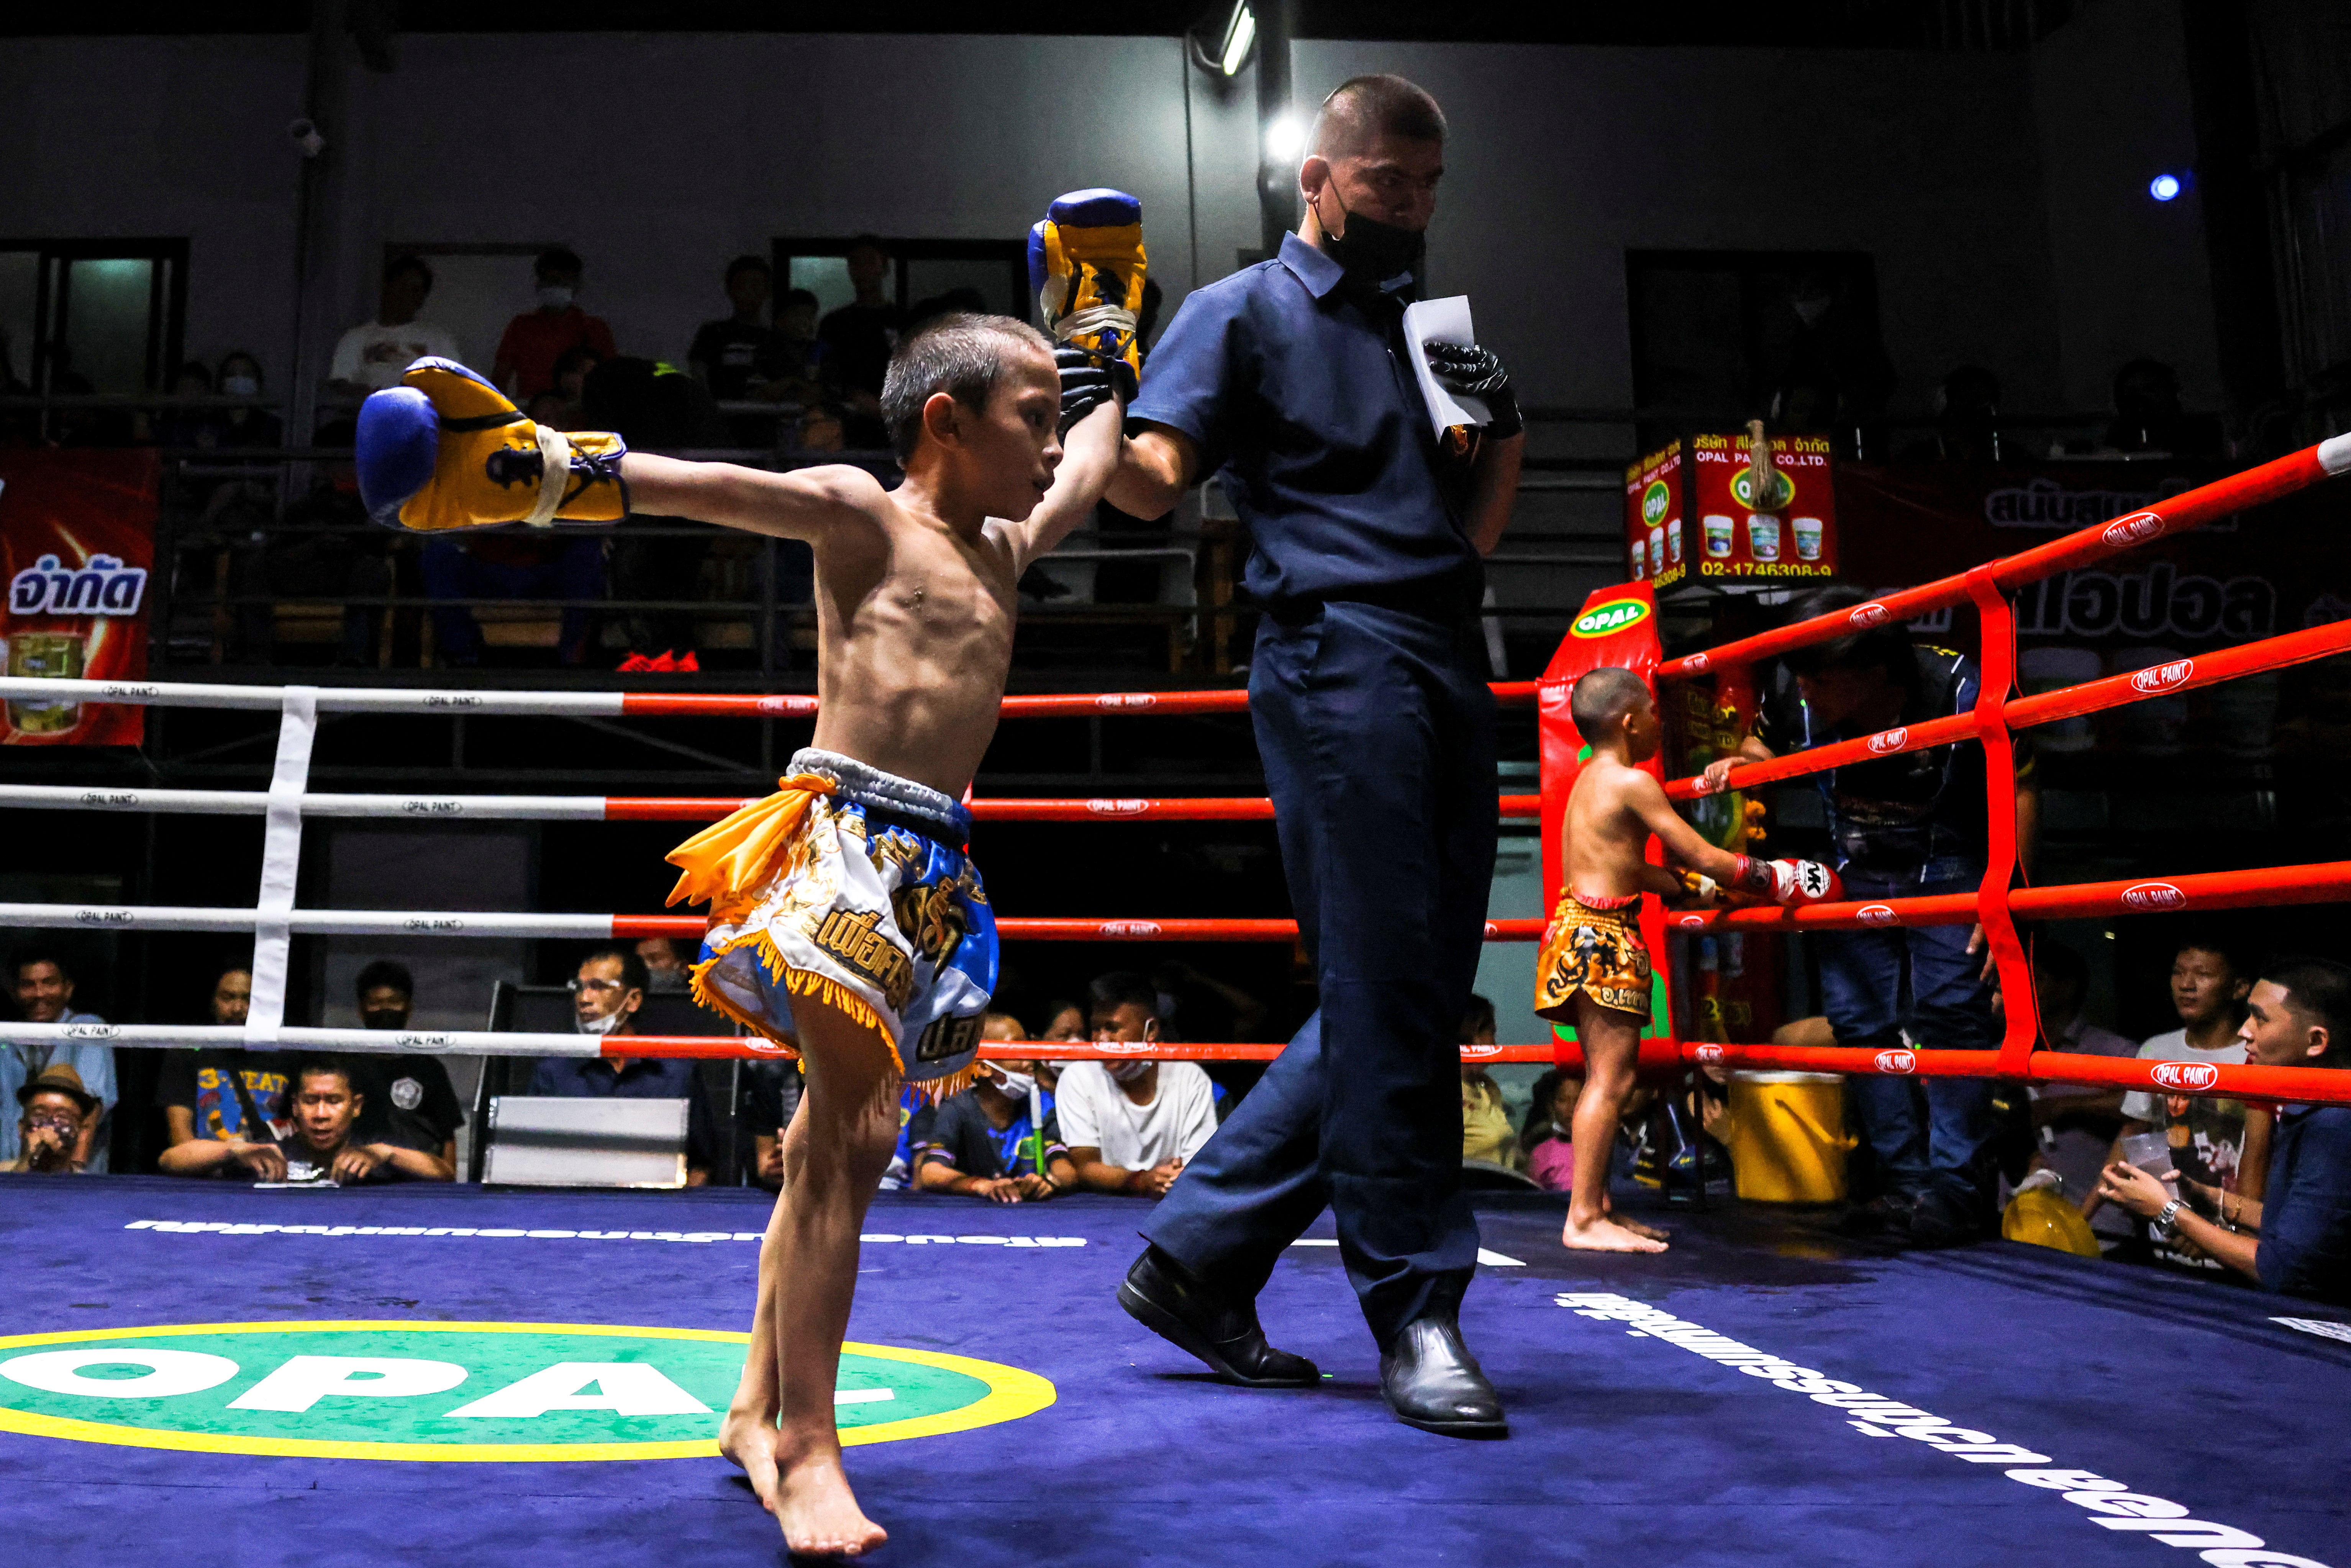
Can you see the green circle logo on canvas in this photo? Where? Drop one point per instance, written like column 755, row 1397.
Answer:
column 1654, row 501
column 495, row 1391
column 1602, row 619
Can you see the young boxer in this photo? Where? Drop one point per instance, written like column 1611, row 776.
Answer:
column 1595, row 969
column 847, row 923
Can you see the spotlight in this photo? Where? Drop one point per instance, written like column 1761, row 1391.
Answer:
column 1235, row 39
column 2165, row 187
column 1284, row 139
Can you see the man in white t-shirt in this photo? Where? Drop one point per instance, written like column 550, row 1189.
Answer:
column 370, row 356
column 2206, row 1135
column 1131, row 1126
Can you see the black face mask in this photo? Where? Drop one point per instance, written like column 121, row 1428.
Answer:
column 1371, row 250
column 385, row 1018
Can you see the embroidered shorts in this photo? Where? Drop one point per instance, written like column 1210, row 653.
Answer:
column 1594, row 947
column 849, row 886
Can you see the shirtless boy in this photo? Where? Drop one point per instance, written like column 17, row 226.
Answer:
column 1595, row 969
column 847, row 924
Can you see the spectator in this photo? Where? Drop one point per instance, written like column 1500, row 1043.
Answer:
column 858, row 339
column 607, row 991
column 406, row 1100
column 1548, row 1135
column 1486, row 1132
column 984, row 1144
column 771, row 1093
column 2299, row 1015
column 189, row 426
column 1905, row 825
column 247, row 425
column 2149, row 417
column 2207, row 1137
column 327, row 1145
column 535, row 339
column 572, row 369
column 742, row 358
column 226, row 1110
column 2074, row 1124
column 44, row 993
column 370, row 356
column 58, row 1114
column 1068, row 1022
column 1967, row 420
column 665, row 966
column 1132, row 1126
column 802, row 377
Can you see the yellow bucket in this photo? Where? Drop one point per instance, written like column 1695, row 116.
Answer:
column 1788, row 1141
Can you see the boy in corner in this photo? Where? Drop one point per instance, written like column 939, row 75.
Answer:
column 1595, row 969
column 847, row 923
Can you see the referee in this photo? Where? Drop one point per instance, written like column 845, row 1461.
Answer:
column 1367, row 689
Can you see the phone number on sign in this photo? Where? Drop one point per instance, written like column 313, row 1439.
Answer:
column 1762, row 568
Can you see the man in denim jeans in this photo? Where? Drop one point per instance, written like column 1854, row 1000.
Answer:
column 1903, row 826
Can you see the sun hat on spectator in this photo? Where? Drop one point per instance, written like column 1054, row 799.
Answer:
column 58, row 1079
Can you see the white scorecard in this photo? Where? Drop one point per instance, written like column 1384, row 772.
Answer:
column 1447, row 321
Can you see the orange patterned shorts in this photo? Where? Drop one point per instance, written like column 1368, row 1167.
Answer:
column 1594, row 947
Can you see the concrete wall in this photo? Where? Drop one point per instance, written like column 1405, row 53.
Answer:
column 658, row 156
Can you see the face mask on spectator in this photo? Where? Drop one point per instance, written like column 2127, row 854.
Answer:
column 554, row 295
column 1127, row 1071
column 1015, row 1086
column 240, row 386
column 605, row 1025
column 384, row 1017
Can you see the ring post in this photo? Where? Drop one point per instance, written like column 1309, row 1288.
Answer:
column 1997, row 673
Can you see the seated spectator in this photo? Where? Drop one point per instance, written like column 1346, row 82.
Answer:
column 240, row 376
column 534, row 340
column 984, row 1143
column 234, row 1100
column 1967, row 420
column 572, row 369
column 1067, row 1021
column 2207, row 1137
column 1548, row 1135
column 607, row 991
column 370, row 356
column 1486, row 1132
column 665, row 966
column 2073, row 1123
column 1132, row 1126
column 771, row 1093
column 408, row 1099
column 327, row 1145
column 2298, row 1242
column 2149, row 417
column 188, row 426
column 44, row 993
column 58, row 1114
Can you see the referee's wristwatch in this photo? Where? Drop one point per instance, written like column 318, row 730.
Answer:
column 2165, row 1223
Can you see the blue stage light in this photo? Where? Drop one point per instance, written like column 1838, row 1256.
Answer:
column 2165, row 187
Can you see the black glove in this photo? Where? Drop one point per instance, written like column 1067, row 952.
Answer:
column 1469, row 370
column 1088, row 382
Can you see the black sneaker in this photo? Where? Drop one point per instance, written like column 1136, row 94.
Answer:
column 1887, row 1214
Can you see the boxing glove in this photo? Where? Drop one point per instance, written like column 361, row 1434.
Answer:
column 445, row 449
column 1795, row 882
column 1086, row 263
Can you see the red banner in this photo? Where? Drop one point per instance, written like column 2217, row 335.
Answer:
column 77, row 544
column 1690, row 513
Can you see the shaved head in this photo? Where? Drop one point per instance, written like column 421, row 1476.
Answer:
column 1602, row 698
column 1360, row 109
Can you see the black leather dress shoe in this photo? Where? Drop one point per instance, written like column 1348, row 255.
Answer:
column 1171, row 1301
column 1432, row 1382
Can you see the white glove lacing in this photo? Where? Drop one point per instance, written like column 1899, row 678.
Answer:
column 554, row 476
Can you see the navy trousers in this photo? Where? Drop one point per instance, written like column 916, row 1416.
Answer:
column 1376, row 730
column 1929, row 1134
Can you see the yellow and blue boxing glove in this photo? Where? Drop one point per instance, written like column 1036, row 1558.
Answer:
column 445, row 449
column 1086, row 263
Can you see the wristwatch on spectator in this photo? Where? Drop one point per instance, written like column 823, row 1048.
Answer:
column 2165, row 1223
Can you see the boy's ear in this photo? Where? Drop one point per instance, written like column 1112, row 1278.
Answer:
column 940, row 417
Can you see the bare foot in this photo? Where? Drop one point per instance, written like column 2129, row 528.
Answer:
column 1605, row 1235
column 1637, row 1227
column 748, row 1441
column 819, row 1513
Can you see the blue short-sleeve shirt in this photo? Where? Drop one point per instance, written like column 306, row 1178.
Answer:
column 1300, row 394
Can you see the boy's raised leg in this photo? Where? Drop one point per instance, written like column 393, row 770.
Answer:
column 835, row 1152
column 1612, row 1044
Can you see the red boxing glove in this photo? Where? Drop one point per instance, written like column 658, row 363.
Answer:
column 1793, row 882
